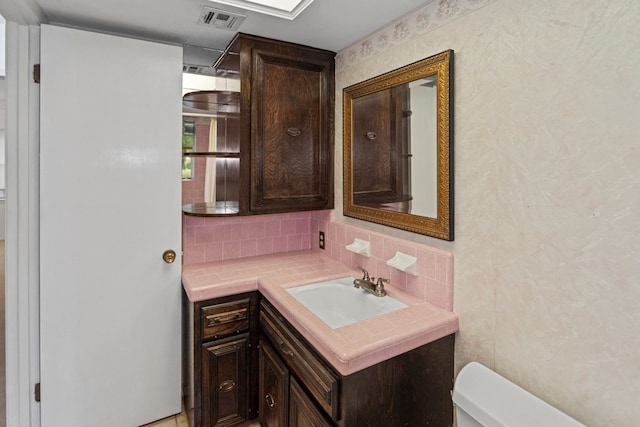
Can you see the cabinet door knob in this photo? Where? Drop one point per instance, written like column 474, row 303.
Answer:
column 293, row 131
column 371, row 136
column 270, row 402
column 169, row 256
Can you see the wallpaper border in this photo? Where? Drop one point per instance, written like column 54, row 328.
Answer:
column 433, row 15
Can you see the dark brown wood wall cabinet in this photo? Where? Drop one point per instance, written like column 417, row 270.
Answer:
column 287, row 124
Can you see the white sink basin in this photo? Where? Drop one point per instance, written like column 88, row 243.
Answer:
column 338, row 303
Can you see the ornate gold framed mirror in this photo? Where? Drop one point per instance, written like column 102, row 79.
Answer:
column 398, row 148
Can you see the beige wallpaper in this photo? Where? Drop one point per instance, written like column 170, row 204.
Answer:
column 547, row 197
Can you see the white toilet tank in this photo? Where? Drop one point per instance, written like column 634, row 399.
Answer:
column 485, row 399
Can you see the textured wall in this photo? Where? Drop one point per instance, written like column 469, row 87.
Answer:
column 547, row 171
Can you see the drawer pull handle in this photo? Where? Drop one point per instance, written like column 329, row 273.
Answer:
column 285, row 349
column 226, row 317
column 227, row 386
column 270, row 402
column 293, row 131
column 371, row 136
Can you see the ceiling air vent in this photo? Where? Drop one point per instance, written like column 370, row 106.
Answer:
column 222, row 19
column 193, row 69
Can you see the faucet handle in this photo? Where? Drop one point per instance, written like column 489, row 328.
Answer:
column 379, row 291
column 382, row 281
column 365, row 272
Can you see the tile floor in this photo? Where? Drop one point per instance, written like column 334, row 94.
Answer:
column 180, row 420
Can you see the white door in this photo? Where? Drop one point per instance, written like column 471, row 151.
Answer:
column 110, row 111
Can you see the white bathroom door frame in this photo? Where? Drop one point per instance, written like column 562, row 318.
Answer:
column 21, row 243
column 110, row 129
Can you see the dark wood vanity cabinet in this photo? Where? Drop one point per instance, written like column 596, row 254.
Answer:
column 287, row 119
column 222, row 361
column 244, row 360
column 299, row 388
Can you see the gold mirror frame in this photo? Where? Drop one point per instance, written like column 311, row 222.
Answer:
column 441, row 227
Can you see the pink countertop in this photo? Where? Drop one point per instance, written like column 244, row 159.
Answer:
column 349, row 348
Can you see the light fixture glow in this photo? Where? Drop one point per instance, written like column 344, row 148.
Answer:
column 288, row 9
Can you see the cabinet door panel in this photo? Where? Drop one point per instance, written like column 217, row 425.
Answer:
column 291, row 129
column 382, row 115
column 302, row 411
column 290, row 125
column 274, row 388
column 224, row 395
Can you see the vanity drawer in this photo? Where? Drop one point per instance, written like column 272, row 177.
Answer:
column 313, row 373
column 225, row 319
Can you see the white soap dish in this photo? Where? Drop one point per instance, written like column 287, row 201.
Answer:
column 404, row 262
column 361, row 247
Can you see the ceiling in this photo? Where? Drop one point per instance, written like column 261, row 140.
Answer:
column 326, row 24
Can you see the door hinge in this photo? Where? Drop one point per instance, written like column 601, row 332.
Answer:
column 36, row 73
column 37, row 392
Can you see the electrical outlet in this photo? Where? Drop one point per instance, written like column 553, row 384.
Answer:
column 321, row 240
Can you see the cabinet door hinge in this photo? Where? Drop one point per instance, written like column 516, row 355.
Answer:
column 36, row 73
column 37, row 392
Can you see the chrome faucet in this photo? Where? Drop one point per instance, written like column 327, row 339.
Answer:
column 367, row 283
